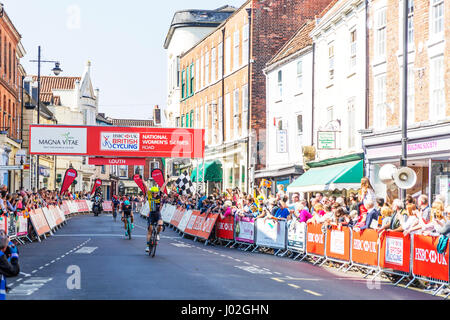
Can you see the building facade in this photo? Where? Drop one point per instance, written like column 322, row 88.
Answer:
column 223, row 86
column 11, row 51
column 428, row 98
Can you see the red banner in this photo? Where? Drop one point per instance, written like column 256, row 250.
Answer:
column 427, row 262
column 117, row 161
column 158, row 176
column 395, row 251
column 108, row 141
column 315, row 242
column 225, row 228
column 137, row 178
column 97, row 184
column 365, row 247
column 69, row 178
column 107, row 206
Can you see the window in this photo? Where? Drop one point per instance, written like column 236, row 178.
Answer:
column 379, row 115
column 178, row 72
column 182, row 121
column 300, row 75
column 215, row 137
column 139, row 170
column 207, row 78
column 437, row 85
column 153, row 165
column 244, row 122
column 352, row 50
column 202, row 72
column 192, row 119
column 227, row 117
column 183, row 85
column 299, row 124
column 331, row 60
column 210, row 120
column 411, row 87
column 437, row 17
column 177, row 122
column 187, row 120
column 213, row 64
column 351, row 123
column 245, row 41
column 123, row 171
column 236, row 50
column 410, row 22
column 220, row 49
column 191, row 82
column 227, row 55
column 280, row 84
column 380, row 33
column 205, row 120
column 197, row 117
column 330, row 114
column 197, row 75
column 236, row 113
column 220, row 120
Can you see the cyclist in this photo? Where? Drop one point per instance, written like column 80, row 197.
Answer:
column 116, row 205
column 127, row 212
column 154, row 201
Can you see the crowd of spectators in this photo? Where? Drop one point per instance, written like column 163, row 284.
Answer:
column 360, row 210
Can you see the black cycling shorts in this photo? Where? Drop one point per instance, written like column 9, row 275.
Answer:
column 153, row 217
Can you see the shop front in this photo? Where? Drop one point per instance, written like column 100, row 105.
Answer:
column 279, row 177
column 334, row 176
column 428, row 154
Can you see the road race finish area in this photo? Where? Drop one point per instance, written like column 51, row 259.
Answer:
column 117, row 141
column 90, row 259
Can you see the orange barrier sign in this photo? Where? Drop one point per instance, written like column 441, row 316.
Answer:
column 315, row 242
column 39, row 222
column 338, row 243
column 190, row 225
column 207, row 226
column 365, row 247
column 427, row 262
column 178, row 215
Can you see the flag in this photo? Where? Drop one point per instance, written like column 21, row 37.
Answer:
column 69, row 177
column 185, row 185
column 97, row 184
column 138, row 179
column 158, row 176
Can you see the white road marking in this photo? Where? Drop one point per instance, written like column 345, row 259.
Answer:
column 253, row 270
column 293, row 286
column 29, row 286
column 277, row 279
column 86, row 250
column 181, row 245
column 25, row 274
column 312, row 292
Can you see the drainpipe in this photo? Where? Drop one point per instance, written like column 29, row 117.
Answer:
column 249, row 12
column 313, row 90
column 367, row 66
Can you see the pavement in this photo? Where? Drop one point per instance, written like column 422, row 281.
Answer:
column 90, row 259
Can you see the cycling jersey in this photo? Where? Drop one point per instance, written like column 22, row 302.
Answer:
column 126, row 209
column 154, row 203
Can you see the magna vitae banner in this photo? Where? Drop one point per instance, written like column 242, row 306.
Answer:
column 106, row 141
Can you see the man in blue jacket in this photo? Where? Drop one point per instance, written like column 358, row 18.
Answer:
column 9, row 262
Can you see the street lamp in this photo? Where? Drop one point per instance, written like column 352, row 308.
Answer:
column 56, row 70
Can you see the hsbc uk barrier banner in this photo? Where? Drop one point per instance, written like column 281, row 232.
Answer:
column 106, row 141
column 296, row 236
column 427, row 262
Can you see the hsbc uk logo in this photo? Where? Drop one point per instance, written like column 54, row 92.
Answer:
column 432, row 256
column 315, row 238
column 122, row 141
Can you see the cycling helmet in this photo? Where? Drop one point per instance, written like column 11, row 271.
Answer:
column 154, row 189
column 127, row 203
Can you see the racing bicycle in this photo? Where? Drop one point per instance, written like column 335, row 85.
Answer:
column 154, row 239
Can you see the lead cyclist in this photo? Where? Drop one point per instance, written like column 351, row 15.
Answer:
column 154, row 200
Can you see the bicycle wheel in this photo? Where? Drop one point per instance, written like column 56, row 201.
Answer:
column 154, row 241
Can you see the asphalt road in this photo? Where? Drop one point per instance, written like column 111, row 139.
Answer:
column 90, row 259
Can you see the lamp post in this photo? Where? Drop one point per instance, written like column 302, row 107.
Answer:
column 403, row 159
column 56, row 70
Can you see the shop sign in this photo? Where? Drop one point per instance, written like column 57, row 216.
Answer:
column 326, row 140
column 282, row 141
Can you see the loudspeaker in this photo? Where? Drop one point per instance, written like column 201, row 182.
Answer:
column 404, row 178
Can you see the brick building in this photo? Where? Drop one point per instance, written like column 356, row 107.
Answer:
column 221, row 94
column 11, row 51
column 428, row 92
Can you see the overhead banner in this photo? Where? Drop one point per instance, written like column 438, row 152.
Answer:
column 97, row 184
column 158, row 176
column 69, row 178
column 117, row 161
column 106, row 141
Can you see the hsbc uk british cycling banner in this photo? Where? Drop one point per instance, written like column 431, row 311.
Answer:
column 106, row 141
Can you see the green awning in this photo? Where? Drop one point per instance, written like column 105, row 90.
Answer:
column 213, row 172
column 340, row 176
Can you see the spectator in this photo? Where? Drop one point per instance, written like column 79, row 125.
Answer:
column 352, row 219
column 9, row 262
column 409, row 221
column 424, row 208
column 283, row 211
column 366, row 193
column 386, row 215
column 372, row 216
